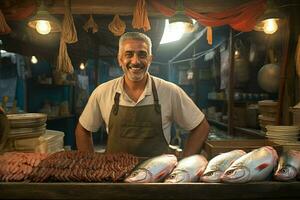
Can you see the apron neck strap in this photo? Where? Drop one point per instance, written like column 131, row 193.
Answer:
column 155, row 97
column 116, row 105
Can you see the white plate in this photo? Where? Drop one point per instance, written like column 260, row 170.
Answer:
column 282, row 128
column 26, row 120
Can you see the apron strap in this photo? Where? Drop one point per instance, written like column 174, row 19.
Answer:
column 116, row 105
column 155, row 96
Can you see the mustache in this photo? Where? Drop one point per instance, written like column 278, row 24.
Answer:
column 139, row 65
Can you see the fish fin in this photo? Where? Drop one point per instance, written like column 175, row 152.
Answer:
column 262, row 166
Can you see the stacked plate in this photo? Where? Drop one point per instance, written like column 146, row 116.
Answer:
column 268, row 112
column 26, row 125
column 283, row 134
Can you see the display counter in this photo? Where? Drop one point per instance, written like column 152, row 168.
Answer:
column 267, row 190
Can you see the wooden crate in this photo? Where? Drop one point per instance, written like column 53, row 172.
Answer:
column 215, row 147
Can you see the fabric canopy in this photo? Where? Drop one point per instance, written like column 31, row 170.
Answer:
column 241, row 18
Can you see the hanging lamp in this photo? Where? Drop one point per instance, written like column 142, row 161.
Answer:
column 180, row 17
column 268, row 22
column 43, row 21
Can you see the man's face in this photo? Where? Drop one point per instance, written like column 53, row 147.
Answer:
column 134, row 59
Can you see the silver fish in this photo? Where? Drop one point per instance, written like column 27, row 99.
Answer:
column 288, row 166
column 256, row 165
column 217, row 165
column 188, row 169
column 153, row 170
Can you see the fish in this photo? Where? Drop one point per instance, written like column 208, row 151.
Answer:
column 218, row 164
column 256, row 165
column 153, row 170
column 288, row 166
column 188, row 169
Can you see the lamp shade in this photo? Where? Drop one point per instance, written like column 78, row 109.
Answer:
column 43, row 14
column 268, row 22
column 180, row 16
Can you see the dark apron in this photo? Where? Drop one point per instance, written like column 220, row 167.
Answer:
column 136, row 130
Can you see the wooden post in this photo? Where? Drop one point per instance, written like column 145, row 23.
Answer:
column 283, row 69
column 230, row 98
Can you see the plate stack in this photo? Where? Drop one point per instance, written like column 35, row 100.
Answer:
column 268, row 112
column 283, row 135
column 26, row 125
column 50, row 142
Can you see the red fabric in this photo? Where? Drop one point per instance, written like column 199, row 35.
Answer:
column 241, row 18
column 20, row 13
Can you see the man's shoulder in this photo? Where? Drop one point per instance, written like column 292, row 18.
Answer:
column 109, row 86
column 161, row 83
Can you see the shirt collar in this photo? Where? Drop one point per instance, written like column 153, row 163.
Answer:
column 148, row 88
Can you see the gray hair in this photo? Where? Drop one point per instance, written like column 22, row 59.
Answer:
column 136, row 36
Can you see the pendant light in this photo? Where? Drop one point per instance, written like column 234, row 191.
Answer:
column 268, row 23
column 180, row 17
column 44, row 22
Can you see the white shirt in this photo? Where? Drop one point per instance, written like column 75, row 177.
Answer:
column 176, row 105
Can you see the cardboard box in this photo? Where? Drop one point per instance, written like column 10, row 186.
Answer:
column 215, row 147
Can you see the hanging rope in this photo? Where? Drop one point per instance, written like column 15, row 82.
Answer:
column 68, row 35
column 117, row 26
column 140, row 16
column 91, row 24
column 4, row 28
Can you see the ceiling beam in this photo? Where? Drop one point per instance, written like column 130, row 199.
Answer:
column 121, row 7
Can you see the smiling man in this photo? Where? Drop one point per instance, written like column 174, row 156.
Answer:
column 138, row 109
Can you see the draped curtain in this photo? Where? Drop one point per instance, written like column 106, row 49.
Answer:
column 241, row 18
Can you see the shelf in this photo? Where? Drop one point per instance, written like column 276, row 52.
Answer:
column 235, row 101
column 55, row 85
column 238, row 130
column 59, row 117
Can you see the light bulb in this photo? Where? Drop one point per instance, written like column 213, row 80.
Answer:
column 236, row 53
column 270, row 26
column 34, row 60
column 81, row 66
column 43, row 27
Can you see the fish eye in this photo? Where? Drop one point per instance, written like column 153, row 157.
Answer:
column 229, row 172
column 134, row 173
column 283, row 170
column 172, row 176
column 209, row 173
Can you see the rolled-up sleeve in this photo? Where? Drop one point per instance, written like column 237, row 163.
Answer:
column 91, row 118
column 185, row 112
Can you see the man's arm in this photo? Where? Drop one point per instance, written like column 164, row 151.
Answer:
column 84, row 140
column 196, row 139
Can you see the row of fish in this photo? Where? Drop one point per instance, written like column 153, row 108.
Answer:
column 235, row 166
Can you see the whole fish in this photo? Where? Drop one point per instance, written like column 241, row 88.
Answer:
column 288, row 166
column 188, row 169
column 153, row 170
column 218, row 164
column 256, row 165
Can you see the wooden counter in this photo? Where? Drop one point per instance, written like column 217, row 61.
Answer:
column 152, row 191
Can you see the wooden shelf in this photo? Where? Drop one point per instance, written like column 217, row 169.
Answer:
column 59, row 117
column 251, row 133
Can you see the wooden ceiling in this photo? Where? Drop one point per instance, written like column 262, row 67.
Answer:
column 102, row 44
column 121, row 7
